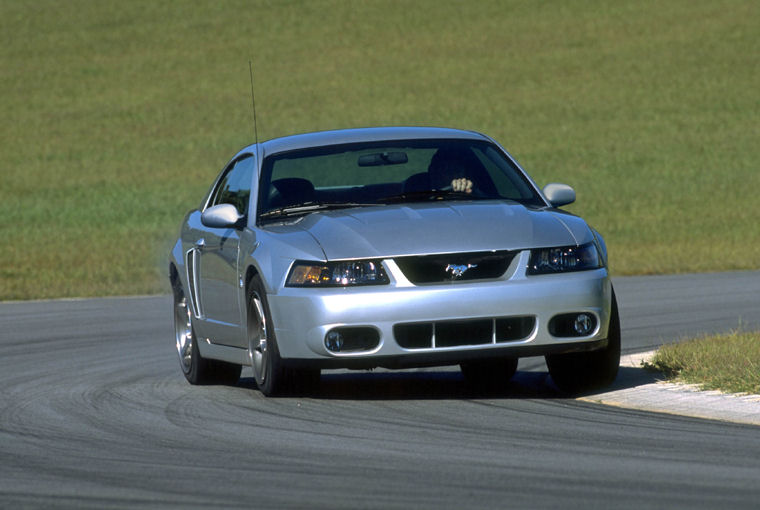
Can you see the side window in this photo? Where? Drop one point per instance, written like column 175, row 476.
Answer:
column 235, row 186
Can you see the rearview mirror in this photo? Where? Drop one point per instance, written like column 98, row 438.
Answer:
column 383, row 158
column 221, row 216
column 559, row 194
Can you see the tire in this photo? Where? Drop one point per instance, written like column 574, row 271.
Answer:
column 489, row 375
column 262, row 345
column 583, row 371
column 272, row 377
column 195, row 368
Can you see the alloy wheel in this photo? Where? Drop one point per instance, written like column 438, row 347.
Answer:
column 183, row 331
column 258, row 351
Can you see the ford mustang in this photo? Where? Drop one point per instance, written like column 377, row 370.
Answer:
column 391, row 247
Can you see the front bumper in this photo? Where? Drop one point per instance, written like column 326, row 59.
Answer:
column 303, row 317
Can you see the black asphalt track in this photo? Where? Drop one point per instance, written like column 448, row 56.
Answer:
column 94, row 413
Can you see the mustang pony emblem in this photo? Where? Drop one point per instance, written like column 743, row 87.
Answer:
column 458, row 270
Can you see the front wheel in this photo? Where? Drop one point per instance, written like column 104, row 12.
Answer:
column 272, row 377
column 262, row 345
column 583, row 371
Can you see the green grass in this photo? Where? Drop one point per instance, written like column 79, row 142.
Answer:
column 729, row 363
column 117, row 116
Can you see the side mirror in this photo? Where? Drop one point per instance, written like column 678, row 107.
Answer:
column 221, row 216
column 559, row 194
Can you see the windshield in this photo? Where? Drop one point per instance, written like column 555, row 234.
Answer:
column 372, row 173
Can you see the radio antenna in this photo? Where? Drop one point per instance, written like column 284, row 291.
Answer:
column 253, row 103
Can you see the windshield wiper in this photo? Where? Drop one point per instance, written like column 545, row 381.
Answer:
column 308, row 207
column 433, row 194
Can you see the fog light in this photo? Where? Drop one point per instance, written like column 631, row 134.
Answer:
column 583, row 324
column 576, row 324
column 334, row 341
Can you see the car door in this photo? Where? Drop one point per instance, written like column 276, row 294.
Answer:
column 217, row 258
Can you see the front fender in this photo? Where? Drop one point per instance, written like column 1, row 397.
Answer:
column 601, row 244
column 271, row 253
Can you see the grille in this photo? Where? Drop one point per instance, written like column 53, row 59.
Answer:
column 427, row 335
column 455, row 266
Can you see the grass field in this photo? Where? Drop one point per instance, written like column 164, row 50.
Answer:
column 729, row 363
column 117, row 115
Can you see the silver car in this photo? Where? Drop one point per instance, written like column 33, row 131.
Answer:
column 389, row 247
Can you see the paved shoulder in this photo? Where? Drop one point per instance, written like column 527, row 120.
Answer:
column 637, row 388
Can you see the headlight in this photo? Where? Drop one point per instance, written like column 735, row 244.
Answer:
column 564, row 259
column 337, row 274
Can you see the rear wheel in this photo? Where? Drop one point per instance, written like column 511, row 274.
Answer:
column 196, row 369
column 489, row 375
column 583, row 371
column 183, row 333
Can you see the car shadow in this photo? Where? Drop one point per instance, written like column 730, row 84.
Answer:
column 449, row 384
column 631, row 377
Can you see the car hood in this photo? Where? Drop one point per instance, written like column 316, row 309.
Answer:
column 450, row 227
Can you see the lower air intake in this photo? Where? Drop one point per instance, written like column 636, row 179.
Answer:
column 456, row 333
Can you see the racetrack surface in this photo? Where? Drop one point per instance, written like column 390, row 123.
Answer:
column 94, row 413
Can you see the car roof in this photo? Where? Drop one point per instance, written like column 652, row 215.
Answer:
column 357, row 135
